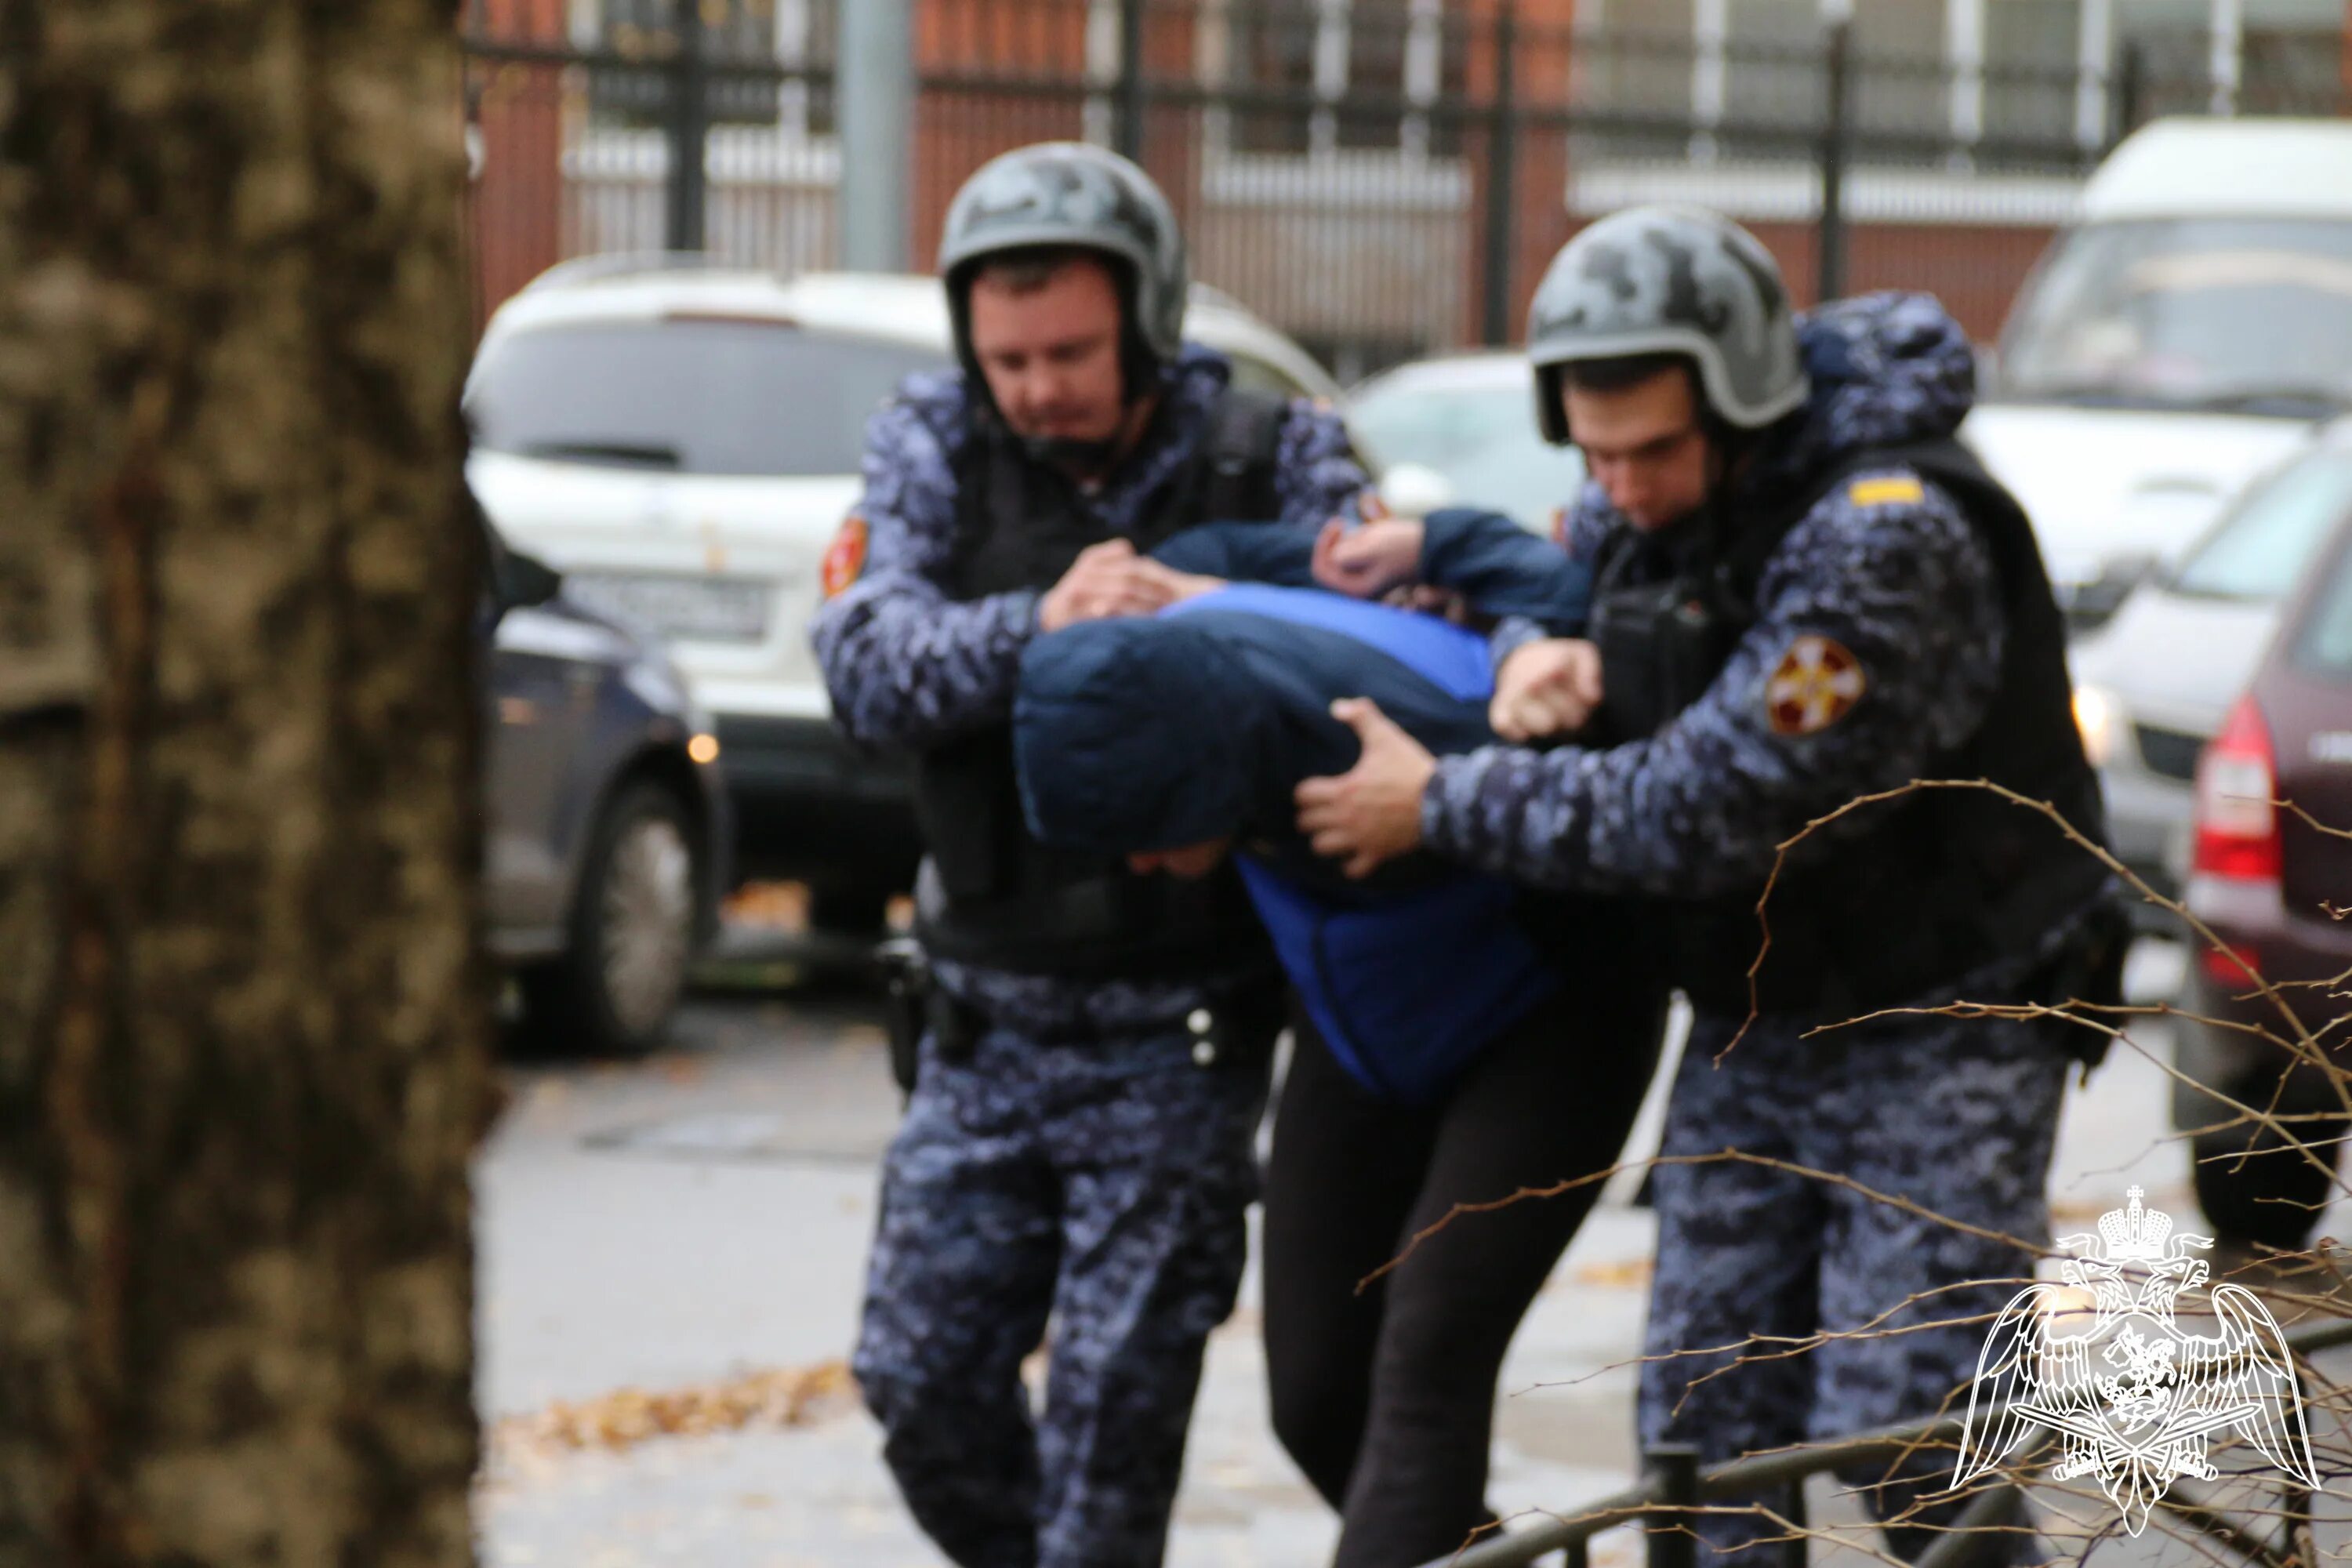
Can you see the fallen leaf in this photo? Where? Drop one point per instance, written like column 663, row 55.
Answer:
column 628, row 1417
column 1621, row 1274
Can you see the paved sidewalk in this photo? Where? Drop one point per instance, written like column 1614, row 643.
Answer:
column 707, row 1215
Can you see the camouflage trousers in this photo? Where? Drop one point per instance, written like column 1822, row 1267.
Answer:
column 1787, row 1308
column 1102, row 1184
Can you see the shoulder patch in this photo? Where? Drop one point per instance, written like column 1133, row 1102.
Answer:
column 1886, row 489
column 845, row 558
column 1816, row 683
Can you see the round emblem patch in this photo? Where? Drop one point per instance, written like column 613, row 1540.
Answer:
column 844, row 559
column 1816, row 683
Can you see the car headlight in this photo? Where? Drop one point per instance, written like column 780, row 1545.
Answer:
column 2100, row 718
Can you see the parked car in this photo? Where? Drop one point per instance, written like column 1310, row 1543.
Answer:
column 2176, row 341
column 1461, row 431
column 2270, row 881
column 2153, row 685
column 605, row 823
column 682, row 441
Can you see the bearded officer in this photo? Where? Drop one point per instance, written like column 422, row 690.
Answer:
column 1804, row 592
column 1078, row 1142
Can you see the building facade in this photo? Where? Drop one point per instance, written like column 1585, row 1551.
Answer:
column 1338, row 162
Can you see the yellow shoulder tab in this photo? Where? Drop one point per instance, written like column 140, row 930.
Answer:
column 1885, row 490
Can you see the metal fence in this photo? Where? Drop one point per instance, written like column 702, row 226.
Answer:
column 1381, row 178
column 1664, row 1503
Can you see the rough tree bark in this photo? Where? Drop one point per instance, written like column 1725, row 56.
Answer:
column 242, row 1025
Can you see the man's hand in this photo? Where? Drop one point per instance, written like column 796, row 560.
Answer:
column 1546, row 687
column 1370, row 813
column 1109, row 580
column 1183, row 585
column 1369, row 559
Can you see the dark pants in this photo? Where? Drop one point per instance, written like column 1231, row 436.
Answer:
column 1386, row 1397
column 1954, row 1116
column 1104, row 1186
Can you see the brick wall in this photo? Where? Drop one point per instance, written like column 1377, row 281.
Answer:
column 1363, row 248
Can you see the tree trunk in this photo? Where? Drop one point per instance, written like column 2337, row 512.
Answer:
column 244, row 1025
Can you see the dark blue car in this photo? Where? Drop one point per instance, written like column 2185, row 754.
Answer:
column 607, row 831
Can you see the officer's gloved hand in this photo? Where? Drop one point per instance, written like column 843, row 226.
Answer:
column 1546, row 687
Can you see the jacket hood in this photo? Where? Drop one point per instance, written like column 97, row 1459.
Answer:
column 1135, row 734
column 1887, row 370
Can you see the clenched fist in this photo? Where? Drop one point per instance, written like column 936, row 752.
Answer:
column 1546, row 687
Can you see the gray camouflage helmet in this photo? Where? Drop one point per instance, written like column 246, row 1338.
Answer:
column 1670, row 279
column 1070, row 194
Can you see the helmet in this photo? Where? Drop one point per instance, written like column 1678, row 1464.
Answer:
column 1670, row 279
column 1070, row 194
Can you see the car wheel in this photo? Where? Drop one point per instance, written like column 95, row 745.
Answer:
column 2268, row 1197
column 848, row 910
column 631, row 937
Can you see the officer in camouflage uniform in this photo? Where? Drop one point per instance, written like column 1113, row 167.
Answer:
column 1078, row 1142
column 1805, row 592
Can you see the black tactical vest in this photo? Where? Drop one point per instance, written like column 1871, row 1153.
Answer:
column 1902, row 897
column 989, row 893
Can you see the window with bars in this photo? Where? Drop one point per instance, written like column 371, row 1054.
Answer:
column 1377, row 38
column 2031, row 47
column 1772, row 71
column 1637, row 59
column 734, row 31
column 2294, row 57
column 1327, row 75
column 1729, row 68
column 1902, row 80
column 1272, row 54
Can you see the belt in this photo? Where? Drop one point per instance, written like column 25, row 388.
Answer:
column 1238, row 1026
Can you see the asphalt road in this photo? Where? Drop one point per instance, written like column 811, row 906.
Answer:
column 668, row 1246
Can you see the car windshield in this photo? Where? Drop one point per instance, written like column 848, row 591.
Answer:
column 2323, row 643
column 2235, row 315
column 2263, row 546
column 688, row 395
column 1482, row 440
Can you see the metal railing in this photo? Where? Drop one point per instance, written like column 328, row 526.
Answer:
column 1673, row 1487
column 1390, row 192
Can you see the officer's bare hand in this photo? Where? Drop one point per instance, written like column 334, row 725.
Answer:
column 1370, row 813
column 1368, row 559
column 1108, row 580
column 1191, row 584
column 1546, row 687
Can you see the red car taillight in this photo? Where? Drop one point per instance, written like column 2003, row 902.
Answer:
column 2237, row 778
column 2237, row 825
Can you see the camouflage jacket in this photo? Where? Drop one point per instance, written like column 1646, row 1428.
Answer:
column 1884, row 568
column 907, row 666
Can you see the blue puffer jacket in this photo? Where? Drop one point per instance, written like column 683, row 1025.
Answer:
column 1197, row 724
